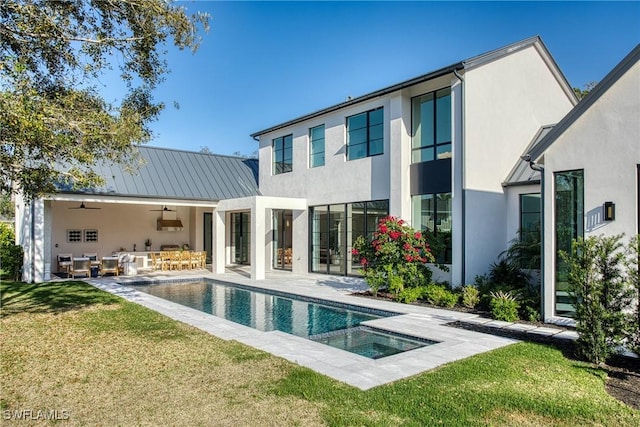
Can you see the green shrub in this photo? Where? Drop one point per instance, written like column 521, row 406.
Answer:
column 396, row 283
column 440, row 296
column 632, row 267
column 376, row 280
column 409, row 295
column 11, row 255
column 504, row 306
column 470, row 296
column 531, row 314
column 601, row 292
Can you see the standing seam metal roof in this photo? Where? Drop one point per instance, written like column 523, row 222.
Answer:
column 177, row 174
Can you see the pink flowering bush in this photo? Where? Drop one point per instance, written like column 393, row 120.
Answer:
column 395, row 257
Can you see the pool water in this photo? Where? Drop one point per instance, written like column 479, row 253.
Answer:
column 335, row 326
column 370, row 342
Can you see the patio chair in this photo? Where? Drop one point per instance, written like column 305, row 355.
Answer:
column 156, row 261
column 203, row 260
column 80, row 266
column 185, row 260
column 195, row 260
column 93, row 257
column 109, row 265
column 174, row 260
column 64, row 263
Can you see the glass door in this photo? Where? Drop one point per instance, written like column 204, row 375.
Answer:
column 208, row 235
column 282, row 238
column 240, row 237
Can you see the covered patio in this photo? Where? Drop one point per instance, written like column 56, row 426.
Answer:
column 167, row 204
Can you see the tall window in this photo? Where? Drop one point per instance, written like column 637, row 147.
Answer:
column 365, row 134
column 569, row 204
column 530, row 217
column 431, row 126
column 432, row 213
column 282, row 154
column 316, row 146
column 528, row 249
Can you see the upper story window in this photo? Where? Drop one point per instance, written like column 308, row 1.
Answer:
column 431, row 126
column 364, row 134
column 282, row 154
column 316, row 146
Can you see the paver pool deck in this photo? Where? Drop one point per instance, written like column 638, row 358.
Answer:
column 358, row 371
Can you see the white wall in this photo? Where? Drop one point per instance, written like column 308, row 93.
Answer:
column 513, row 208
column 339, row 180
column 605, row 143
column 507, row 101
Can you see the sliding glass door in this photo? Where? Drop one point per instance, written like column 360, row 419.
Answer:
column 333, row 230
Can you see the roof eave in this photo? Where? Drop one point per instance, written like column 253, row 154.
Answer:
column 601, row 88
column 394, row 88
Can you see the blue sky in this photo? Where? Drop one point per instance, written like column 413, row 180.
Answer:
column 263, row 63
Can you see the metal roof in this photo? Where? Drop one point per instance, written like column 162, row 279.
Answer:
column 522, row 174
column 177, row 174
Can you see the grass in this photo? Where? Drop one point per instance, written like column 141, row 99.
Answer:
column 70, row 347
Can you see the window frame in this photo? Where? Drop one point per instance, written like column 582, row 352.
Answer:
column 278, row 158
column 435, row 144
column 368, row 127
column 311, row 146
column 447, row 255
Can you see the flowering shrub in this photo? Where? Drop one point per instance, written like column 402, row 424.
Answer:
column 395, row 257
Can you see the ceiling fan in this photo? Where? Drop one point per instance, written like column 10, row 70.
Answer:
column 82, row 206
column 164, row 209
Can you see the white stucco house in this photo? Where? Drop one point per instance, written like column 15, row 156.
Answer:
column 441, row 151
column 590, row 165
column 433, row 150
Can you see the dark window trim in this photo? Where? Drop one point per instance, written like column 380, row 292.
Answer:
column 435, row 144
column 368, row 128
column 448, row 252
column 324, row 148
column 275, row 161
column 520, row 227
column 345, row 233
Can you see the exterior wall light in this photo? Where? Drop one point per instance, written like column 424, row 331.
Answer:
column 609, row 211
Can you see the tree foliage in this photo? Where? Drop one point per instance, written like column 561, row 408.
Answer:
column 55, row 123
column 11, row 255
column 581, row 93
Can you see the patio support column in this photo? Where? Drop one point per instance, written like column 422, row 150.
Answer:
column 219, row 238
column 258, row 230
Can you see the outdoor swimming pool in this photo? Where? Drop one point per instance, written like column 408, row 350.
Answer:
column 330, row 323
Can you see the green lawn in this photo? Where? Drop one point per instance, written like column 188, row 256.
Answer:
column 70, row 347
